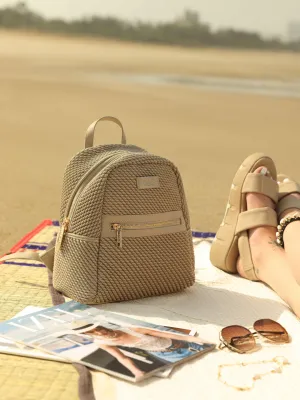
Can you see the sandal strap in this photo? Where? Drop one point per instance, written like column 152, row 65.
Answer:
column 289, row 187
column 286, row 203
column 264, row 216
column 256, row 183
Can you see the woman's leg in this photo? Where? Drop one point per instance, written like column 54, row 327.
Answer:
column 291, row 239
column 270, row 260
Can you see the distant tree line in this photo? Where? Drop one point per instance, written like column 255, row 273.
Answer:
column 188, row 30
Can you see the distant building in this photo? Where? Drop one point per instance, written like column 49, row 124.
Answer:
column 294, row 31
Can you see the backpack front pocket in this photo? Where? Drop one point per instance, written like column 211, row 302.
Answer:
column 130, row 226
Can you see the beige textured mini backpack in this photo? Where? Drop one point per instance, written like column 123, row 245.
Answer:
column 125, row 230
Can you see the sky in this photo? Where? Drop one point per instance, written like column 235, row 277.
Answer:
column 268, row 17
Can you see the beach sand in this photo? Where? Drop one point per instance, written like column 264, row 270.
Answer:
column 52, row 88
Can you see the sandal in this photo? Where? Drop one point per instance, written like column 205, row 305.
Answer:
column 287, row 186
column 232, row 237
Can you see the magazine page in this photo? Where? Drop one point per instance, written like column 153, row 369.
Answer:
column 19, row 349
column 106, row 341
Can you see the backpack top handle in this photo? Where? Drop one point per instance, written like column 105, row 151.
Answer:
column 89, row 137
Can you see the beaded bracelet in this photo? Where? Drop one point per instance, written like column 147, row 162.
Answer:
column 282, row 226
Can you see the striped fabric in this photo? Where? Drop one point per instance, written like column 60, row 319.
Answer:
column 36, row 240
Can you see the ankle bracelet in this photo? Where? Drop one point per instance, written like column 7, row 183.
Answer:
column 284, row 222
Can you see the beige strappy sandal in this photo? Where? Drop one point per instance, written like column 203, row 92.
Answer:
column 287, row 186
column 232, row 237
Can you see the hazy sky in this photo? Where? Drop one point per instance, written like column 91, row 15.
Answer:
column 269, row 17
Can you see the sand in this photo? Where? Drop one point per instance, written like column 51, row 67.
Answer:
column 49, row 95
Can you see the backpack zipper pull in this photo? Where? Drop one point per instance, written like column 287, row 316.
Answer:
column 63, row 231
column 118, row 229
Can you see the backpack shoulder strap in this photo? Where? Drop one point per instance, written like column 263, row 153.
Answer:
column 46, row 257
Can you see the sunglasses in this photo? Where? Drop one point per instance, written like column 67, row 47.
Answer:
column 242, row 340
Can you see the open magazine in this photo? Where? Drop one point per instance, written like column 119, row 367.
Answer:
column 19, row 349
column 105, row 341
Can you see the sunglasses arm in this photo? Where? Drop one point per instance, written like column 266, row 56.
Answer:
column 221, row 346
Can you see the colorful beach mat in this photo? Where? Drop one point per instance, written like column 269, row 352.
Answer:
column 36, row 240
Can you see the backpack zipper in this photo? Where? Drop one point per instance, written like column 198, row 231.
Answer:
column 71, row 205
column 120, row 227
column 82, row 183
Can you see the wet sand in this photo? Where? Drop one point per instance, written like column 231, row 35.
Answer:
column 48, row 97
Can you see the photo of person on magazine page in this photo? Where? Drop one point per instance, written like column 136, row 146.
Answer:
column 139, row 350
column 168, row 346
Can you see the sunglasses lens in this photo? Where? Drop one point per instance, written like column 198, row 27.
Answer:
column 271, row 330
column 239, row 338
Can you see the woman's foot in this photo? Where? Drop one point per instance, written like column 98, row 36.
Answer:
column 292, row 231
column 270, row 261
column 262, row 239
